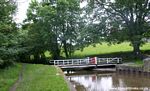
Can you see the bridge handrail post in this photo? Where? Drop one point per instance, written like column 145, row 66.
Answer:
column 96, row 60
column 54, row 62
column 118, row 60
column 79, row 61
column 99, row 60
column 72, row 61
column 88, row 62
column 63, row 62
column 107, row 60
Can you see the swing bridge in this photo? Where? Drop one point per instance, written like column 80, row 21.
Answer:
column 86, row 63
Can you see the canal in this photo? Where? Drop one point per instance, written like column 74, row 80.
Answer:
column 108, row 80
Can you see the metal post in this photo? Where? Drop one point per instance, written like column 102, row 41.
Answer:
column 80, row 61
column 72, row 61
column 96, row 61
column 107, row 60
column 58, row 62
column 118, row 61
column 63, row 62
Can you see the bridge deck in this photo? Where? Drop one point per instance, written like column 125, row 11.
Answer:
column 86, row 67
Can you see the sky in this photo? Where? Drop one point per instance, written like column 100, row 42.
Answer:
column 22, row 9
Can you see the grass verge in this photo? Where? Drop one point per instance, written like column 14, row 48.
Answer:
column 42, row 78
column 137, row 63
column 123, row 50
column 8, row 76
column 104, row 48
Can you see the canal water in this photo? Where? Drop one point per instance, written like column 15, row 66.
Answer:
column 109, row 81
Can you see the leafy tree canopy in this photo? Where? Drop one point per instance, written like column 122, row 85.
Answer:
column 124, row 20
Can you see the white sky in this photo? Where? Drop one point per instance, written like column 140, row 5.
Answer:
column 22, row 9
column 21, row 12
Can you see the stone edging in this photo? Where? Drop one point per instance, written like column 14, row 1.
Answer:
column 131, row 69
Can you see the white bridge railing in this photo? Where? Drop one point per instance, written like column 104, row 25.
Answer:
column 109, row 60
column 87, row 61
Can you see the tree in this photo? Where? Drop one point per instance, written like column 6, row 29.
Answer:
column 7, row 32
column 92, row 29
column 52, row 26
column 38, row 26
column 67, row 20
column 127, row 20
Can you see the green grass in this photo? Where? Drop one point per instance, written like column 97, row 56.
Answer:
column 42, row 78
column 9, row 76
column 139, row 62
column 106, row 49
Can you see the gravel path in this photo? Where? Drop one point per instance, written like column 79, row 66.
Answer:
column 13, row 88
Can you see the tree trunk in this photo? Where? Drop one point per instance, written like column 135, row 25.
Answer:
column 43, row 58
column 24, row 57
column 70, row 50
column 56, row 52
column 65, row 49
column 136, row 49
column 36, row 58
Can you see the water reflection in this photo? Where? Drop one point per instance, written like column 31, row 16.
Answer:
column 110, row 82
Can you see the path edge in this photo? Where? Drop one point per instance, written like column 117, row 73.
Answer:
column 70, row 85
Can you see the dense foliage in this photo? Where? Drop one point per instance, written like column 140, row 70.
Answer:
column 63, row 26
column 122, row 20
column 52, row 26
column 7, row 32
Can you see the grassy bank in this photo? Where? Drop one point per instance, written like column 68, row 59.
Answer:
column 106, row 49
column 137, row 63
column 9, row 76
column 42, row 78
column 35, row 77
column 123, row 50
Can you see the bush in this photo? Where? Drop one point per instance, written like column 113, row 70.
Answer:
column 5, row 63
column 1, row 62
